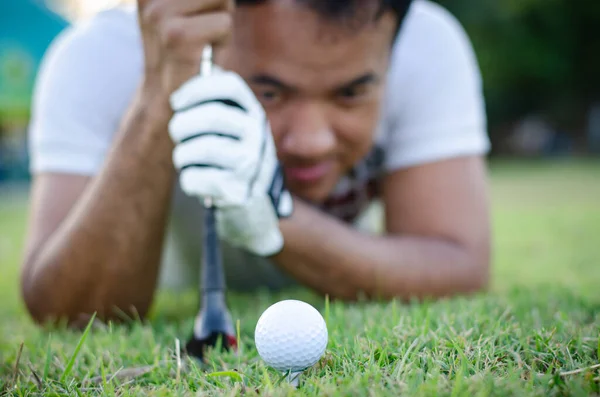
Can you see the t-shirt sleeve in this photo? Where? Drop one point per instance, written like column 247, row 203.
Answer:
column 434, row 105
column 84, row 84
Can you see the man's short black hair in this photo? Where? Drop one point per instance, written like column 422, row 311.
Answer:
column 350, row 10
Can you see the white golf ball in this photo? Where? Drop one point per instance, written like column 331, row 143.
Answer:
column 291, row 335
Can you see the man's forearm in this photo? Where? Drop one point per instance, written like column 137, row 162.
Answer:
column 105, row 254
column 336, row 259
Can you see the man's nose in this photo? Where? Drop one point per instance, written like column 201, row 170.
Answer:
column 308, row 134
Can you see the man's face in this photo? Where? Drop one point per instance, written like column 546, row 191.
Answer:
column 320, row 83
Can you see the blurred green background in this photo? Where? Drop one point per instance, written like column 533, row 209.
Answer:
column 540, row 65
column 538, row 58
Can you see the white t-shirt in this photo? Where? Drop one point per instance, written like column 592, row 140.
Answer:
column 434, row 109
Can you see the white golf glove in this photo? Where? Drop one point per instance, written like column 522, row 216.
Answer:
column 224, row 150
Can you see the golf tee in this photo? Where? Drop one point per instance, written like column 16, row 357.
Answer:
column 294, row 378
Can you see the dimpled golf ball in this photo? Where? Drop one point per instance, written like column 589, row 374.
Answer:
column 291, row 335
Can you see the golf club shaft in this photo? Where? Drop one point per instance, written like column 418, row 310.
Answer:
column 213, row 278
column 212, row 287
column 212, row 272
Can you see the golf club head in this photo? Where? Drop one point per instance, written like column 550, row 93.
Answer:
column 213, row 326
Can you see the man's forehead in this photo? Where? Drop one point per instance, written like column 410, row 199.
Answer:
column 295, row 18
column 284, row 38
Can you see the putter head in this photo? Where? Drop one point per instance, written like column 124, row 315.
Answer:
column 213, row 324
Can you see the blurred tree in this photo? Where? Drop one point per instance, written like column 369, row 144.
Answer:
column 536, row 56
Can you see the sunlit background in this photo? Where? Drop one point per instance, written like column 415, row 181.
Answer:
column 80, row 9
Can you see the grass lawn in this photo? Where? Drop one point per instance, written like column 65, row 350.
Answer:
column 534, row 333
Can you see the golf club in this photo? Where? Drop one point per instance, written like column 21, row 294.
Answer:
column 213, row 323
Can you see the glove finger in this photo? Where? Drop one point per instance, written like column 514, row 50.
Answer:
column 217, row 86
column 210, row 118
column 221, row 185
column 213, row 151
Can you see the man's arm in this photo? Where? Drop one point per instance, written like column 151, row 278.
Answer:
column 94, row 244
column 437, row 242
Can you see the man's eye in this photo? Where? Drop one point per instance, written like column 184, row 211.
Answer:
column 348, row 93
column 269, row 96
column 352, row 93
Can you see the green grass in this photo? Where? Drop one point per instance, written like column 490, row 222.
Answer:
column 536, row 332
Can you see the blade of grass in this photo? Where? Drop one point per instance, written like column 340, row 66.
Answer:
column 48, row 358
column 71, row 361
column 178, row 356
column 238, row 336
column 229, row 374
column 36, row 377
column 327, row 309
column 17, row 361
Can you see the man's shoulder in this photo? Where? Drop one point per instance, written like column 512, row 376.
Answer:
column 428, row 29
column 428, row 11
column 121, row 20
column 83, row 87
column 432, row 58
column 433, row 107
column 101, row 55
column 426, row 19
column 112, row 33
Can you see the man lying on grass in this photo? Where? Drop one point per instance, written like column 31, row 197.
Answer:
column 372, row 99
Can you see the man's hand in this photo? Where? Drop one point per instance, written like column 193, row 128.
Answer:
column 95, row 242
column 224, row 150
column 174, row 32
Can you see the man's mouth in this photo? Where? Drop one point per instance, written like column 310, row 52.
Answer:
column 308, row 174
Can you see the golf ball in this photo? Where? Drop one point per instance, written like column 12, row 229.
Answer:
column 291, row 335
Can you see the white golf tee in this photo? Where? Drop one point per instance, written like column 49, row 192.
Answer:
column 294, row 378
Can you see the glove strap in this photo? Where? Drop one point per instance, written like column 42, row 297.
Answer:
column 279, row 195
